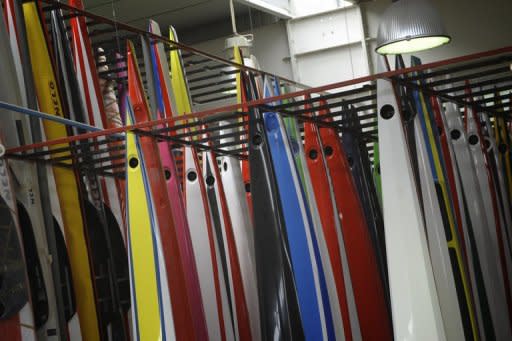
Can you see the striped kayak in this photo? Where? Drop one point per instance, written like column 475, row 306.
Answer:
column 460, row 209
column 299, row 233
column 240, row 214
column 162, row 109
column 324, row 195
column 219, row 227
column 104, row 233
column 435, row 229
column 496, row 167
column 446, row 154
column 280, row 317
column 414, row 299
column 65, row 179
column 354, row 144
column 151, row 318
column 485, row 264
column 362, row 259
column 182, row 311
column 328, row 283
column 210, row 264
column 205, row 247
column 446, row 204
column 501, row 300
column 483, row 157
column 218, row 202
column 219, row 207
column 231, row 176
column 497, row 186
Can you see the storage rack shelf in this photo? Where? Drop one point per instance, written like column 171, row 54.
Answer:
column 348, row 105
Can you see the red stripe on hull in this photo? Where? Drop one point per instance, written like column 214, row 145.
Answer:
column 244, row 329
column 10, row 329
column 367, row 284
column 211, row 242
column 182, row 313
column 327, row 211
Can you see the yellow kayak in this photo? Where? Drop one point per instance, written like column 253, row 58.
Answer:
column 178, row 81
column 142, row 238
column 66, row 182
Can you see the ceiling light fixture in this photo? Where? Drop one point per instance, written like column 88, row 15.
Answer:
column 410, row 26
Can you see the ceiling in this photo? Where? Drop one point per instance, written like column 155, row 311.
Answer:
column 182, row 14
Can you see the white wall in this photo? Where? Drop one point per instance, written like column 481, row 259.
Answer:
column 328, row 47
column 475, row 25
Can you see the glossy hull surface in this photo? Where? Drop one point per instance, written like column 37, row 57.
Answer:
column 182, row 312
column 66, row 182
column 366, row 279
column 279, row 312
column 148, row 318
column 158, row 97
column 332, row 229
column 300, row 241
column 414, row 300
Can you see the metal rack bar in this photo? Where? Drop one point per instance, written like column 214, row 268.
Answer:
column 353, row 102
column 121, row 26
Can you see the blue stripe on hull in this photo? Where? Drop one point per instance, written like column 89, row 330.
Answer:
column 296, row 225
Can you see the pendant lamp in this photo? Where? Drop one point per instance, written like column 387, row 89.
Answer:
column 410, row 26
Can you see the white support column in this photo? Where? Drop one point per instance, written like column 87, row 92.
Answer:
column 328, row 46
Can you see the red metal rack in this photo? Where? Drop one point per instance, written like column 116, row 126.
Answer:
column 351, row 104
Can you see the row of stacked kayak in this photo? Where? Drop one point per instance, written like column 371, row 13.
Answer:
column 248, row 250
column 446, row 190
column 305, row 238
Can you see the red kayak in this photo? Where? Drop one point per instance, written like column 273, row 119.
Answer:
column 373, row 313
column 328, row 216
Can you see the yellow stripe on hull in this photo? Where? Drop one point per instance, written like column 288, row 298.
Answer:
column 179, row 85
column 49, row 102
column 141, row 244
column 454, row 242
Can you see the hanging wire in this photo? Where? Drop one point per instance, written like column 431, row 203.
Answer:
column 251, row 26
column 114, row 16
column 233, row 19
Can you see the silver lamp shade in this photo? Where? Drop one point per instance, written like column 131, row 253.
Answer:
column 410, row 26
